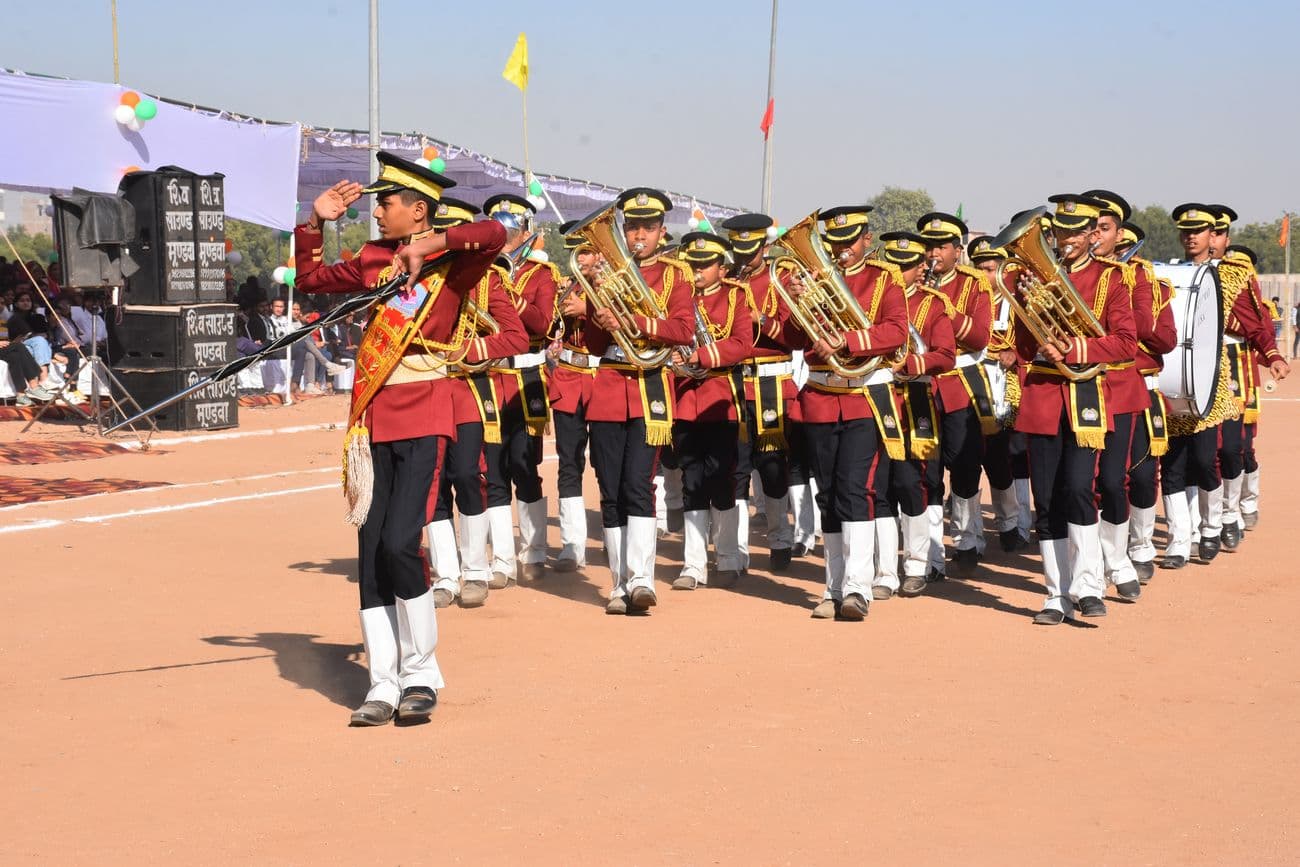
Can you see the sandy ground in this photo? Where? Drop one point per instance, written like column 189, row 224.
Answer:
column 179, row 664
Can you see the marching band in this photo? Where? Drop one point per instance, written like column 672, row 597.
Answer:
column 1076, row 375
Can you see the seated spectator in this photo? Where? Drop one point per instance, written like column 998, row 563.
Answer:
column 310, row 363
column 6, row 303
column 89, row 319
column 24, row 372
column 343, row 338
column 53, row 282
column 278, row 323
column 30, row 326
column 251, row 327
column 65, row 338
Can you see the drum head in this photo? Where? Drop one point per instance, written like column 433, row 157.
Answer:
column 1191, row 373
column 1205, row 327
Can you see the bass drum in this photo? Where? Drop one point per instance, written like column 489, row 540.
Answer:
column 1190, row 377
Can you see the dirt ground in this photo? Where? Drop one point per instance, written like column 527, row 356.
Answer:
column 179, row 664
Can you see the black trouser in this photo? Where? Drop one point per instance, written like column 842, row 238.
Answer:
column 1249, row 462
column 797, row 454
column 961, row 444
column 513, row 460
column 1112, row 469
column 997, row 460
column 463, row 474
column 1143, row 467
column 389, row 562
column 625, row 470
column 913, row 485
column 1232, row 448
column 849, row 467
column 22, row 366
column 706, row 453
column 1192, row 461
column 1062, row 476
column 773, row 466
column 570, row 450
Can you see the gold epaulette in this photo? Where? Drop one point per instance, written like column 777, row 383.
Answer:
column 1234, row 279
column 1126, row 270
column 556, row 274
column 885, row 266
column 942, row 297
column 981, row 279
column 735, row 284
column 677, row 263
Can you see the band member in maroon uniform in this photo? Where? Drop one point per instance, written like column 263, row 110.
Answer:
column 845, row 418
column 965, row 405
column 570, row 392
column 771, row 397
column 1067, row 421
column 631, row 409
column 916, row 479
column 408, row 421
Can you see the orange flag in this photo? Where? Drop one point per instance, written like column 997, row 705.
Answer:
column 1285, row 234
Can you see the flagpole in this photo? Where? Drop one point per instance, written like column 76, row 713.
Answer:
column 117, row 78
column 374, row 100
column 767, row 139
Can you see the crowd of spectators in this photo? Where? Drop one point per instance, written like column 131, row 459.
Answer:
column 42, row 347
column 313, row 361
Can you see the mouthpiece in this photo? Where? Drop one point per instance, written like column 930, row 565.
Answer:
column 637, row 248
column 1069, row 248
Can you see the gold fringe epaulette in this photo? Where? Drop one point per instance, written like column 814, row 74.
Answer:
column 1126, row 269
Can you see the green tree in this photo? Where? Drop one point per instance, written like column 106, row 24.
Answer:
column 1262, row 238
column 897, row 209
column 30, row 247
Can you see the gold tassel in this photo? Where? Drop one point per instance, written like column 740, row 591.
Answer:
column 659, row 433
column 771, row 441
column 1090, row 439
column 923, row 450
column 358, row 474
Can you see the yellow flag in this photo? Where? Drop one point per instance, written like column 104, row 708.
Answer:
column 516, row 71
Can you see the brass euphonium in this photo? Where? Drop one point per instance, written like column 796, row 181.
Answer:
column 619, row 287
column 1051, row 307
column 826, row 309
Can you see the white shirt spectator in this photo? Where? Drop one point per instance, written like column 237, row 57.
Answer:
column 280, row 325
column 89, row 324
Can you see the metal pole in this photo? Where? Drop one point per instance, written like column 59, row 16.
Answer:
column 767, row 141
column 374, row 98
column 117, row 78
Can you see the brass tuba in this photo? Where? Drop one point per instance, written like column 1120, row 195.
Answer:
column 619, row 287
column 1051, row 308
column 826, row 308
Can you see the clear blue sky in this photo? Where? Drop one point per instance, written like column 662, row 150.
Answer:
column 994, row 105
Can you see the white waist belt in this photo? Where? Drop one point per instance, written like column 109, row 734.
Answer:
column 1152, row 381
column 771, row 368
column 579, row 359
column 418, row 368
column 521, row 362
column 966, row 359
column 826, row 377
column 1233, row 339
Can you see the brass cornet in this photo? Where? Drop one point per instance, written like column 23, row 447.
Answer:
column 484, row 326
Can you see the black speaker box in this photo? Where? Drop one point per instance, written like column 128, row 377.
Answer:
column 212, row 407
column 186, row 335
column 180, row 244
column 98, row 267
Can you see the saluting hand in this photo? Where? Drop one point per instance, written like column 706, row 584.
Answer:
column 334, row 202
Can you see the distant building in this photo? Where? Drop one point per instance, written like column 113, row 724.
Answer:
column 25, row 210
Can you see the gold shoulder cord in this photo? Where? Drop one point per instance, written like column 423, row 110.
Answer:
column 466, row 328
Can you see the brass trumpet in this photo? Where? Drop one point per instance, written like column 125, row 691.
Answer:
column 1052, row 309
column 618, row 287
column 826, row 308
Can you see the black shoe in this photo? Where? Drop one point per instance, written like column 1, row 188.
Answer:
column 1048, row 617
column 416, row 704
column 372, row 713
column 1231, row 537
column 779, row 559
column 1091, row 606
column 1249, row 520
column 1012, row 541
column 799, row 550
column 964, row 562
column 1209, row 549
column 1129, row 591
column 1173, row 561
column 934, row 575
column 1145, row 569
column 854, row 607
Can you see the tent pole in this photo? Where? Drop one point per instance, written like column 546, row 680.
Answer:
column 374, row 99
